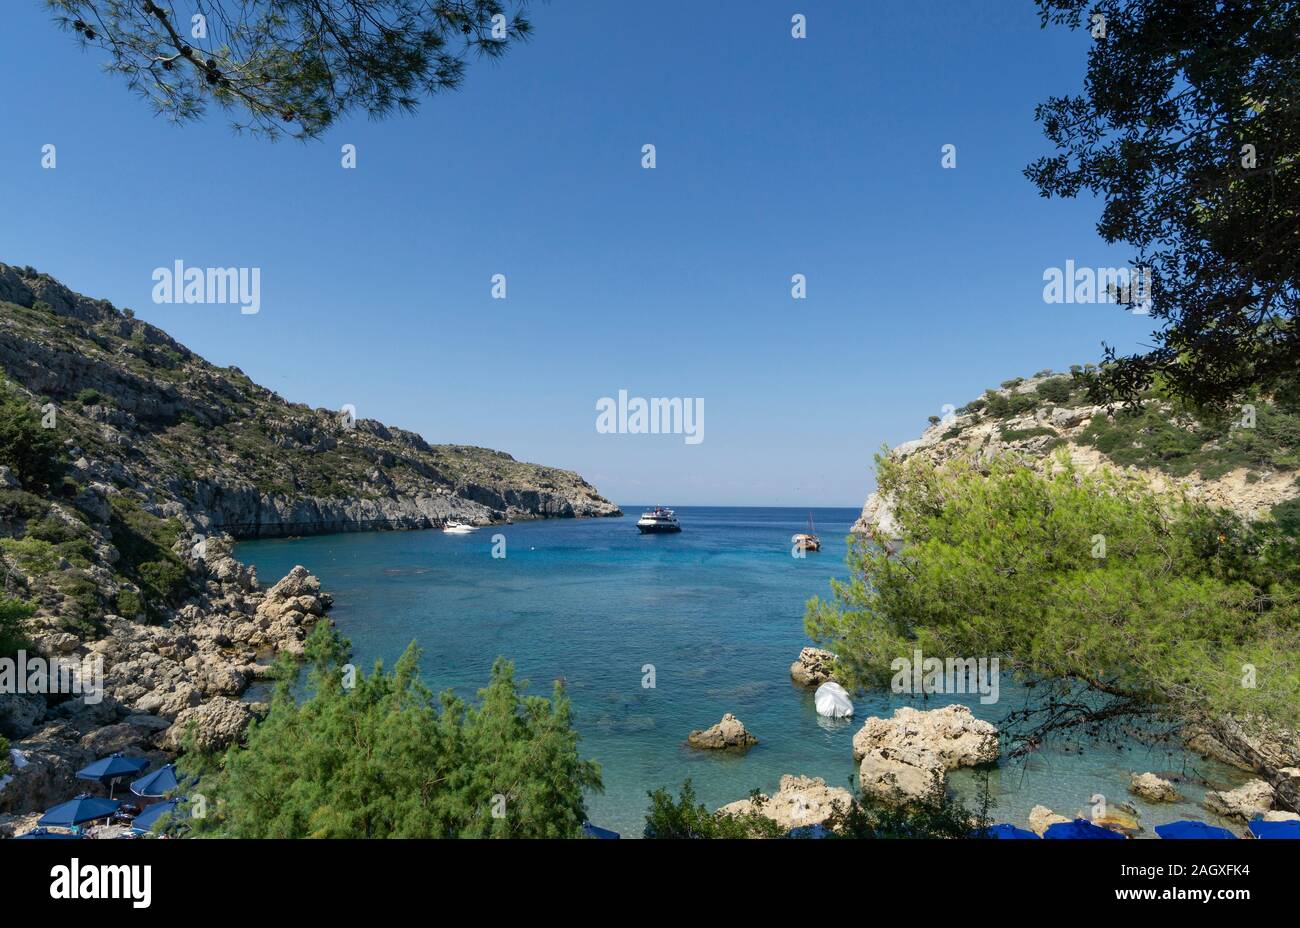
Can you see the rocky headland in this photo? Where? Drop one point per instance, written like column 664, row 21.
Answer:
column 163, row 462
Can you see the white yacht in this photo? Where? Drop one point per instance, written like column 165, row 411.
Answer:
column 658, row 520
column 458, row 528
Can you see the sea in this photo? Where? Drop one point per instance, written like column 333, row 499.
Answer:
column 657, row 635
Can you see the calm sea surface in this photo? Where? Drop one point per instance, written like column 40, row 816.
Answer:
column 717, row 610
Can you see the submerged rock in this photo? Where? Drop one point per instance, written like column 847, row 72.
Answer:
column 799, row 802
column 1246, row 802
column 1041, row 818
column 813, row 667
column 1152, row 788
column 728, row 733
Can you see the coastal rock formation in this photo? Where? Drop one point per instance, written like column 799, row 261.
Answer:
column 1119, row 817
column 813, row 667
column 215, row 725
column 902, row 775
column 728, row 733
column 1035, row 416
column 798, row 803
column 161, row 461
column 1152, row 788
column 1248, row 801
column 1041, row 818
column 951, row 734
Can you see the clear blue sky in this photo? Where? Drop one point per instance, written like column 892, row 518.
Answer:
column 775, row 157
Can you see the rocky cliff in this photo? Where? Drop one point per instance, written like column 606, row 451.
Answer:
column 128, row 467
column 1247, row 461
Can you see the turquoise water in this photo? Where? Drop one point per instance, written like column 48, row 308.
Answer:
column 717, row 610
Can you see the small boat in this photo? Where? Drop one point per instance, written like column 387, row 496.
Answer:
column 658, row 521
column 807, row 541
column 458, row 528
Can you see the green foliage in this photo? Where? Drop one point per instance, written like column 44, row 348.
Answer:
column 90, row 397
column 1025, row 434
column 13, row 613
column 5, row 765
column 1055, row 391
column 1167, row 436
column 128, row 603
column 293, row 67
column 31, row 452
column 386, row 758
column 944, row 817
column 686, row 817
column 1173, row 95
column 145, row 543
column 1007, row 406
column 1007, row 563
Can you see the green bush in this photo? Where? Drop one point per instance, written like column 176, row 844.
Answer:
column 386, row 758
column 1005, row 560
column 128, row 604
column 13, row 636
column 685, row 817
column 33, row 453
column 1056, row 391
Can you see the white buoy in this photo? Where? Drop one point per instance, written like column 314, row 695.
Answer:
column 832, row 701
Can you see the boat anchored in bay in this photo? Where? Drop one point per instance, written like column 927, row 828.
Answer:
column 658, row 521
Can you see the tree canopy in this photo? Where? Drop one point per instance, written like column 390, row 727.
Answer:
column 1189, row 130
column 1116, row 602
column 385, row 758
column 293, row 66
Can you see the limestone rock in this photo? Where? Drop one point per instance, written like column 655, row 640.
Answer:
column 20, row 713
column 799, row 802
column 1041, row 818
column 728, row 733
column 813, row 667
column 1152, row 788
column 217, row 725
column 1246, row 802
column 952, row 734
column 902, row 775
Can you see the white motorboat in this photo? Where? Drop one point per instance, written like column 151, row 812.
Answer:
column 658, row 521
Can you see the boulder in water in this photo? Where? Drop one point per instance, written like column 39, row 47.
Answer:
column 728, row 733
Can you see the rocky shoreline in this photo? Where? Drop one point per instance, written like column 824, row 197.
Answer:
column 120, row 538
column 161, row 684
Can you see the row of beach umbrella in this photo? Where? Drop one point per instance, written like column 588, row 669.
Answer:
column 1082, row 829
column 109, row 771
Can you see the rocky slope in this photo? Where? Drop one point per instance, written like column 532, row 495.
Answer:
column 1249, row 469
column 157, row 462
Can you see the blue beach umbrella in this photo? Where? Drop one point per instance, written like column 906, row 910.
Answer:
column 1005, row 833
column 159, row 783
column 1286, row 831
column 1081, row 830
column 1193, row 829
column 591, row 831
column 144, row 822
column 84, row 808
column 41, row 834
column 108, row 770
